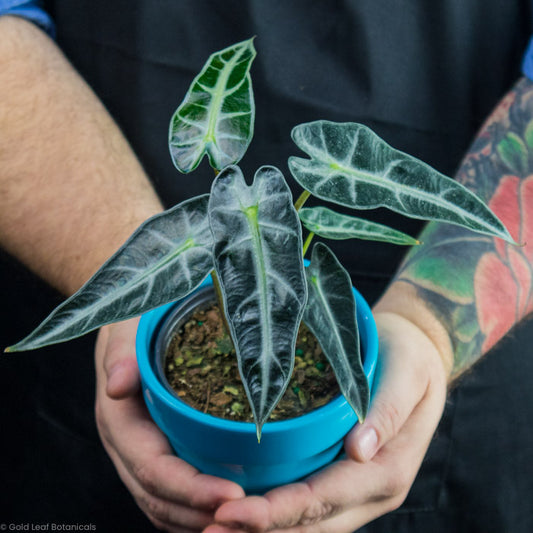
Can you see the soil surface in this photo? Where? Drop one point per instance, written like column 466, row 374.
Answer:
column 201, row 367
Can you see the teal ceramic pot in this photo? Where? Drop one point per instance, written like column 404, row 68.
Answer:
column 289, row 449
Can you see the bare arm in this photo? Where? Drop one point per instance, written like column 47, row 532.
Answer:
column 71, row 189
column 71, row 192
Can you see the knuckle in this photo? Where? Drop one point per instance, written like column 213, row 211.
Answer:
column 146, row 478
column 158, row 509
column 315, row 513
column 318, row 510
column 155, row 509
column 197, row 500
column 387, row 419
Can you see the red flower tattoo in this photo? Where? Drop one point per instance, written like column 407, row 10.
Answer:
column 503, row 280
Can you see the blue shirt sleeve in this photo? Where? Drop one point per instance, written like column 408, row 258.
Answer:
column 527, row 63
column 31, row 10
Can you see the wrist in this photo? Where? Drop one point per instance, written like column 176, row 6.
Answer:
column 402, row 299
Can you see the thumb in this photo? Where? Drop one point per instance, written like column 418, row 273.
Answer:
column 402, row 380
column 116, row 344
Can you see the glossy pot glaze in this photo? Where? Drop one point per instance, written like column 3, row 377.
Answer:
column 289, row 449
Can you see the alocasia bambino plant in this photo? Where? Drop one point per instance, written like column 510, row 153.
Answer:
column 250, row 236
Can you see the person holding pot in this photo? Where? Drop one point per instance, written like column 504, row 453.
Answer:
column 444, row 448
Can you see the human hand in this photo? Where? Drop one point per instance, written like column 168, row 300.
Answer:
column 173, row 495
column 383, row 454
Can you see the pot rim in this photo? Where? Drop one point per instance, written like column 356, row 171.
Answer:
column 153, row 320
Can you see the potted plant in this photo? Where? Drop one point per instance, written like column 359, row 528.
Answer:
column 248, row 238
column 288, row 450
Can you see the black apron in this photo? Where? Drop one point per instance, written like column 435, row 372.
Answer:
column 423, row 75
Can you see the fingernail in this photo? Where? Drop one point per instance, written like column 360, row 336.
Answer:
column 367, row 443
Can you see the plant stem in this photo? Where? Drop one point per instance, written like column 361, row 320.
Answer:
column 301, row 200
column 307, row 243
column 218, row 291
column 220, row 301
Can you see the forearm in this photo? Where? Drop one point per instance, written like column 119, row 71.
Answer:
column 468, row 290
column 71, row 189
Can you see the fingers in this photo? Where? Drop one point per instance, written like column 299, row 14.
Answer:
column 218, row 528
column 304, row 504
column 403, row 378
column 164, row 514
column 120, row 364
column 173, row 494
column 344, row 496
column 145, row 453
column 407, row 406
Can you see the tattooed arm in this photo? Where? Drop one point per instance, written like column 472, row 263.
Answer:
column 453, row 298
column 480, row 287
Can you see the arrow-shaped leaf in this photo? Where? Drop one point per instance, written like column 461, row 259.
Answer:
column 332, row 225
column 330, row 315
column 258, row 259
column 166, row 258
column 217, row 115
column 351, row 166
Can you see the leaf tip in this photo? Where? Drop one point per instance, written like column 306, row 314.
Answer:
column 361, row 415
column 18, row 347
column 247, row 42
column 509, row 239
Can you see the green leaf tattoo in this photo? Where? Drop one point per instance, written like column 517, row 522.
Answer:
column 513, row 152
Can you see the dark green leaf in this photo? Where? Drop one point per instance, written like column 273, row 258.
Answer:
column 165, row 259
column 331, row 225
column 217, row 115
column 331, row 315
column 258, row 259
column 351, row 166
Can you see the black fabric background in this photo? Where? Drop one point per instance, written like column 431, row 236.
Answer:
column 423, row 75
